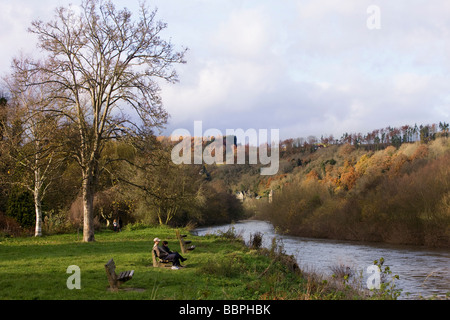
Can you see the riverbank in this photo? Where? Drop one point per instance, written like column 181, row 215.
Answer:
column 220, row 268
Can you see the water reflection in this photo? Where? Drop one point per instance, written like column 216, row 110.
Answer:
column 422, row 271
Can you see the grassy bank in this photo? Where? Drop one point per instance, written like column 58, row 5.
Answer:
column 220, row 267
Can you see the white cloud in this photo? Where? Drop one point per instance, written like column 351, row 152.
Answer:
column 246, row 34
column 16, row 18
column 410, row 83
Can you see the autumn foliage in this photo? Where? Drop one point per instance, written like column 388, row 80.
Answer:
column 396, row 195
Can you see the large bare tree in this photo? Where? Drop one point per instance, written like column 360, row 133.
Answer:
column 103, row 68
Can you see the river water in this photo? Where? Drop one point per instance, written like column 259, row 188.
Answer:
column 422, row 272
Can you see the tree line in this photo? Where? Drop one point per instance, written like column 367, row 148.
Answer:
column 137, row 182
column 374, row 140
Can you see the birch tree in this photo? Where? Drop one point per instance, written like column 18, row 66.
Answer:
column 104, row 68
column 29, row 136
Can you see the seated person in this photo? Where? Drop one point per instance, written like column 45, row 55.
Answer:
column 166, row 254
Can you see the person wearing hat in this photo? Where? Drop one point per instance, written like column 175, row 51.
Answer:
column 166, row 254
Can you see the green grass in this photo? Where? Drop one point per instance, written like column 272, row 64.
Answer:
column 219, row 268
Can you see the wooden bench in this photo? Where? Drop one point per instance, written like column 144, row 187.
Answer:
column 157, row 262
column 183, row 243
column 116, row 280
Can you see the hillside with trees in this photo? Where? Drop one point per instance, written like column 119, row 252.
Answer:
column 392, row 185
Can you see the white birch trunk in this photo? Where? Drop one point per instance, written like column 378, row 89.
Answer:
column 38, row 207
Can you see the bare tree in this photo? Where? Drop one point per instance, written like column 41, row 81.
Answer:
column 103, row 69
column 170, row 189
column 29, row 136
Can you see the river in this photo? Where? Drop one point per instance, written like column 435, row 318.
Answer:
column 422, row 271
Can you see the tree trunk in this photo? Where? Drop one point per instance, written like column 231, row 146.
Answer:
column 37, row 197
column 159, row 216
column 88, row 206
column 38, row 208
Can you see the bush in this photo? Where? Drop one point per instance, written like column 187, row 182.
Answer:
column 230, row 234
column 255, row 241
column 9, row 227
column 56, row 222
column 20, row 206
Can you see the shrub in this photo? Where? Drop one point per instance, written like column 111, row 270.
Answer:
column 20, row 206
column 9, row 227
column 230, row 234
column 342, row 271
column 255, row 241
column 56, row 222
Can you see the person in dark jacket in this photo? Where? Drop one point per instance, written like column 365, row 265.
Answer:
column 166, row 254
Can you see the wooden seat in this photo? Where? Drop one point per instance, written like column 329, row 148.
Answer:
column 157, row 262
column 116, row 280
column 184, row 243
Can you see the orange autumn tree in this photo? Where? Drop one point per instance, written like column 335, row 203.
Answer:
column 348, row 176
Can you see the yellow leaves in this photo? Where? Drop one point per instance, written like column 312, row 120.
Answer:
column 362, row 164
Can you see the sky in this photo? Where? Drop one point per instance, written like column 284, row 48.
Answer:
column 304, row 67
